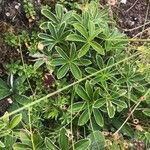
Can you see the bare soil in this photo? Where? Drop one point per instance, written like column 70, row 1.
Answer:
column 133, row 17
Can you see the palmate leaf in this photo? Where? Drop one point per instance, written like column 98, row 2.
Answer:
column 84, row 49
column 82, row 93
column 84, row 118
column 75, row 71
column 4, row 90
column 75, row 37
column 77, row 107
column 58, row 62
column 110, row 109
column 98, row 117
column 82, row 144
column 62, row 53
column 63, row 139
column 97, row 47
column 89, row 89
column 81, row 29
column 48, row 14
column 62, row 71
column 50, row 145
column 97, row 140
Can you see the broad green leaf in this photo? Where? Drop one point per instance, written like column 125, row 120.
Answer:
column 61, row 53
column 96, row 94
column 82, row 93
column 62, row 71
column 84, row 49
column 91, row 27
column 77, row 107
column 81, row 29
column 110, row 109
column 25, row 138
column 75, row 71
column 6, row 118
column 50, row 145
column 120, row 103
column 97, row 47
column 98, row 117
column 75, row 37
column 21, row 146
column 83, row 62
column 61, row 29
column 82, row 144
column 84, row 117
column 45, row 37
column 48, row 14
column 90, row 70
column 99, row 61
column 63, row 139
column 99, row 103
column 89, row 89
column 58, row 62
column 59, row 10
column 4, row 90
column 44, row 26
column 146, row 111
column 97, row 141
column 52, row 30
column 15, row 121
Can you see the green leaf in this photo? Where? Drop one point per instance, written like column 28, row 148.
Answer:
column 89, row 89
column 97, row 140
column 52, row 30
column 62, row 71
column 110, row 109
column 83, row 62
column 4, row 90
column 82, row 144
column 2, row 144
column 99, row 61
column 25, row 138
column 84, row 117
column 84, row 49
column 81, row 29
column 15, row 121
column 99, row 103
column 97, row 47
column 146, row 111
column 61, row 53
column 82, row 93
column 59, row 10
column 98, row 117
column 90, row 70
column 58, row 62
column 50, row 145
column 45, row 37
column 75, row 37
column 91, row 27
column 77, row 107
column 63, row 139
column 38, row 63
column 6, row 118
column 61, row 29
column 20, row 146
column 147, row 135
column 120, row 103
column 48, row 14
column 75, row 71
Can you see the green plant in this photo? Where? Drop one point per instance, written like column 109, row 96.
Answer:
column 29, row 10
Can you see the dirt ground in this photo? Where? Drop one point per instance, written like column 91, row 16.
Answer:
column 133, row 17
